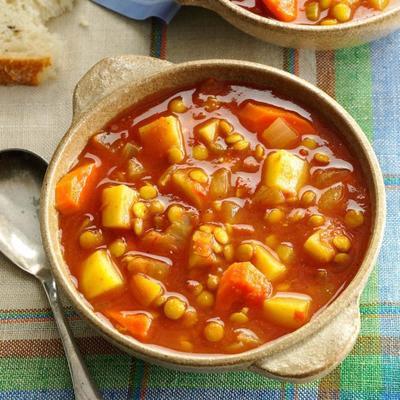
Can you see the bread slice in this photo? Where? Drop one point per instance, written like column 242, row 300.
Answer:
column 27, row 49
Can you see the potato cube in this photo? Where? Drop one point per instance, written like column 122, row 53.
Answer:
column 194, row 191
column 161, row 135
column 269, row 265
column 208, row 132
column 144, row 289
column 285, row 171
column 117, row 202
column 289, row 310
column 319, row 248
column 100, row 275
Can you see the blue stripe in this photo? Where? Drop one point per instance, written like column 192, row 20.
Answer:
column 355, row 395
column 390, row 395
column 392, row 181
column 389, row 258
column 386, row 106
column 383, row 309
column 386, row 102
column 391, row 373
column 390, row 328
column 208, row 394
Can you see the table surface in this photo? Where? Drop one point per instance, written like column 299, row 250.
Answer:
column 365, row 80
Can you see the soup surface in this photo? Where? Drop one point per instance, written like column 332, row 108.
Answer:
column 318, row 12
column 213, row 219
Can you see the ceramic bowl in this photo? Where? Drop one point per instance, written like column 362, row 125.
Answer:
column 113, row 85
column 317, row 37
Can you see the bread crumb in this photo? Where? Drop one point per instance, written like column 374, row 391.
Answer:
column 84, row 23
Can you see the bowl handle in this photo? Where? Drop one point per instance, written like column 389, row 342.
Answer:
column 317, row 355
column 110, row 74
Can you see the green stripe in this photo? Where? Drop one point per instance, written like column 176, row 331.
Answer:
column 371, row 292
column 138, row 379
column 110, row 371
column 291, row 60
column 354, row 84
column 363, row 376
column 35, row 373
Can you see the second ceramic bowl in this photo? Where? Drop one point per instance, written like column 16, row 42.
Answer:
column 115, row 84
column 317, row 37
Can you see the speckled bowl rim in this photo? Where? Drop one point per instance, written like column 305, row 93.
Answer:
column 294, row 27
column 200, row 362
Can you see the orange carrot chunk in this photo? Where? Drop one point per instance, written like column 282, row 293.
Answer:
column 137, row 325
column 257, row 117
column 283, row 10
column 73, row 189
column 242, row 283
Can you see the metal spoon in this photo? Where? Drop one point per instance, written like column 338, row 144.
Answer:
column 21, row 176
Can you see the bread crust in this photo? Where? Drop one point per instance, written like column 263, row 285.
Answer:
column 23, row 71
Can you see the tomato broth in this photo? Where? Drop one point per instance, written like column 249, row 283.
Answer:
column 213, row 219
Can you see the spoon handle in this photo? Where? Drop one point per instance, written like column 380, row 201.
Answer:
column 84, row 387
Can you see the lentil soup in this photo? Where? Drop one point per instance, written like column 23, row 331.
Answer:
column 314, row 12
column 214, row 220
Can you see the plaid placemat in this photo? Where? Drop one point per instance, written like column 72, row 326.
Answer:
column 366, row 81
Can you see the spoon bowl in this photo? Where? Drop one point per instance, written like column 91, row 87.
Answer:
column 21, row 177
